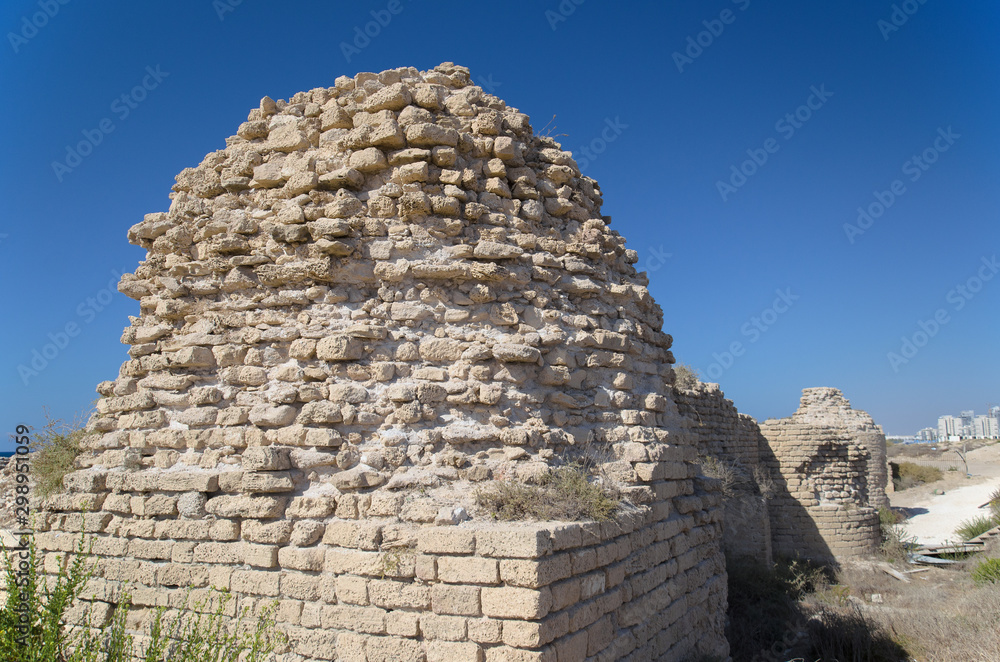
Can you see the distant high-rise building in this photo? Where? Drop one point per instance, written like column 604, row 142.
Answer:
column 928, row 434
column 949, row 426
column 985, row 427
column 967, row 429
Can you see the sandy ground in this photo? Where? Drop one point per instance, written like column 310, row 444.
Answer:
column 934, row 517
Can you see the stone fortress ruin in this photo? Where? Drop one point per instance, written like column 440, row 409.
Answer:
column 379, row 297
column 809, row 485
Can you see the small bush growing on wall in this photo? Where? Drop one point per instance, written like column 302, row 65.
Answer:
column 685, row 377
column 57, row 445
column 565, row 493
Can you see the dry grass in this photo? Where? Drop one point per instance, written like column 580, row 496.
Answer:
column 895, row 545
column 792, row 611
column 909, row 474
column 685, row 377
column 850, row 634
column 939, row 616
column 975, row 526
column 763, row 608
column 564, row 494
column 738, row 479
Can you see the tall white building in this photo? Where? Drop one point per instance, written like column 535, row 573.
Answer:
column 927, row 434
column 949, row 426
column 985, row 427
column 967, row 417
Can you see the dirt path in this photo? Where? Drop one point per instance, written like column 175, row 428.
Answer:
column 946, row 511
column 935, row 516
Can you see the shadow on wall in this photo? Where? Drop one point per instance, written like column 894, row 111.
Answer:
column 794, row 532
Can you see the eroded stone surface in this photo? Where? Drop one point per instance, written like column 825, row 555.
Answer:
column 376, row 297
column 829, row 462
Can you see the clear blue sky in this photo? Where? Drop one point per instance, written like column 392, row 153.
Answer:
column 663, row 132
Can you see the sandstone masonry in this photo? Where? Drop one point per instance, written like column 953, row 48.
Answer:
column 376, row 297
column 829, row 464
column 824, row 474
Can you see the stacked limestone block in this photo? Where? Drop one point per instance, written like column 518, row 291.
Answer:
column 733, row 441
column 377, row 297
column 821, row 457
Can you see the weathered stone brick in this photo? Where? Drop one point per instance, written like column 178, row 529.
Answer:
column 519, row 603
column 468, row 570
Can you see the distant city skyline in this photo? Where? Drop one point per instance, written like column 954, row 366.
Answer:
column 967, row 425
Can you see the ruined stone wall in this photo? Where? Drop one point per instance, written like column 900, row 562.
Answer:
column 732, row 441
column 825, row 505
column 377, row 298
column 824, row 469
column 718, row 428
column 648, row 585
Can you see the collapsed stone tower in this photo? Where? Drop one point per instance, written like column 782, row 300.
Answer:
column 829, row 463
column 378, row 296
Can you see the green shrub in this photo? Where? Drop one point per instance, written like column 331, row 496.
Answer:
column 994, row 504
column 685, row 377
column 909, row 474
column 971, row 528
column 987, row 571
column 56, row 445
column 565, row 493
column 895, row 545
column 34, row 622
